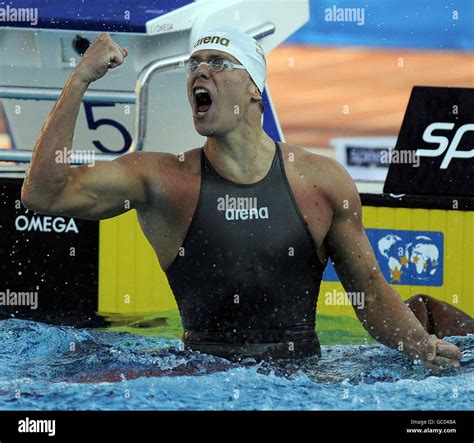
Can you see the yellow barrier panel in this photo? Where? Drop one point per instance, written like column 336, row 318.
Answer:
column 132, row 282
column 458, row 230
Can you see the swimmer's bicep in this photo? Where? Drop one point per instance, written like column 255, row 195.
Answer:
column 104, row 190
column 352, row 256
column 348, row 244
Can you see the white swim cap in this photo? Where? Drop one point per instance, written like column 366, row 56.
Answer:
column 240, row 45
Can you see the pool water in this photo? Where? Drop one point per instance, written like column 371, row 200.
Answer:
column 48, row 367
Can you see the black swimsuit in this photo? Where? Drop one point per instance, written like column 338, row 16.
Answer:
column 247, row 278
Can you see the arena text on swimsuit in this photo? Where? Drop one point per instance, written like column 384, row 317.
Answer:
column 241, row 208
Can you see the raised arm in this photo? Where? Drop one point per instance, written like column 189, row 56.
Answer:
column 106, row 189
column 384, row 315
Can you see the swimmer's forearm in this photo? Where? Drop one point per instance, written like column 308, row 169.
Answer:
column 392, row 323
column 49, row 172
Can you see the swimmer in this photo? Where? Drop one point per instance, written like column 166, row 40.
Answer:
column 440, row 318
column 243, row 226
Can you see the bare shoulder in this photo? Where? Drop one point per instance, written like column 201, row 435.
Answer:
column 319, row 171
column 325, row 170
column 162, row 164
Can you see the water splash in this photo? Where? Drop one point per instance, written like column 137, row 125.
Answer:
column 50, row 367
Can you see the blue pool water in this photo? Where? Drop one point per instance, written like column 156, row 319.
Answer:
column 48, row 367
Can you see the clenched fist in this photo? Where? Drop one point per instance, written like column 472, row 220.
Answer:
column 437, row 354
column 103, row 54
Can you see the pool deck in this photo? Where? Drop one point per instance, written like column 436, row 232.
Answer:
column 311, row 85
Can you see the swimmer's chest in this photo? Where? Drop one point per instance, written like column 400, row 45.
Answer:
column 272, row 217
column 261, row 221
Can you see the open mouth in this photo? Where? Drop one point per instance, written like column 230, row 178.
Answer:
column 203, row 100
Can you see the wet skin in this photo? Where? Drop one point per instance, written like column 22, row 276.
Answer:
column 164, row 189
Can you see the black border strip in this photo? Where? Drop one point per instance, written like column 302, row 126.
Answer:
column 370, row 426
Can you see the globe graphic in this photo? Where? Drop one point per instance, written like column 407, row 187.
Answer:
column 418, row 258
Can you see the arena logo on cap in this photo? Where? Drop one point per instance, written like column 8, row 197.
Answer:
column 213, row 39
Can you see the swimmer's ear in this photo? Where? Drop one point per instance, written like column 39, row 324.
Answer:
column 255, row 93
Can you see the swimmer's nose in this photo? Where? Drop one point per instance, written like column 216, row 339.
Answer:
column 202, row 71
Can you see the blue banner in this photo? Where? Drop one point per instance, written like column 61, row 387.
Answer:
column 405, row 257
column 423, row 24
